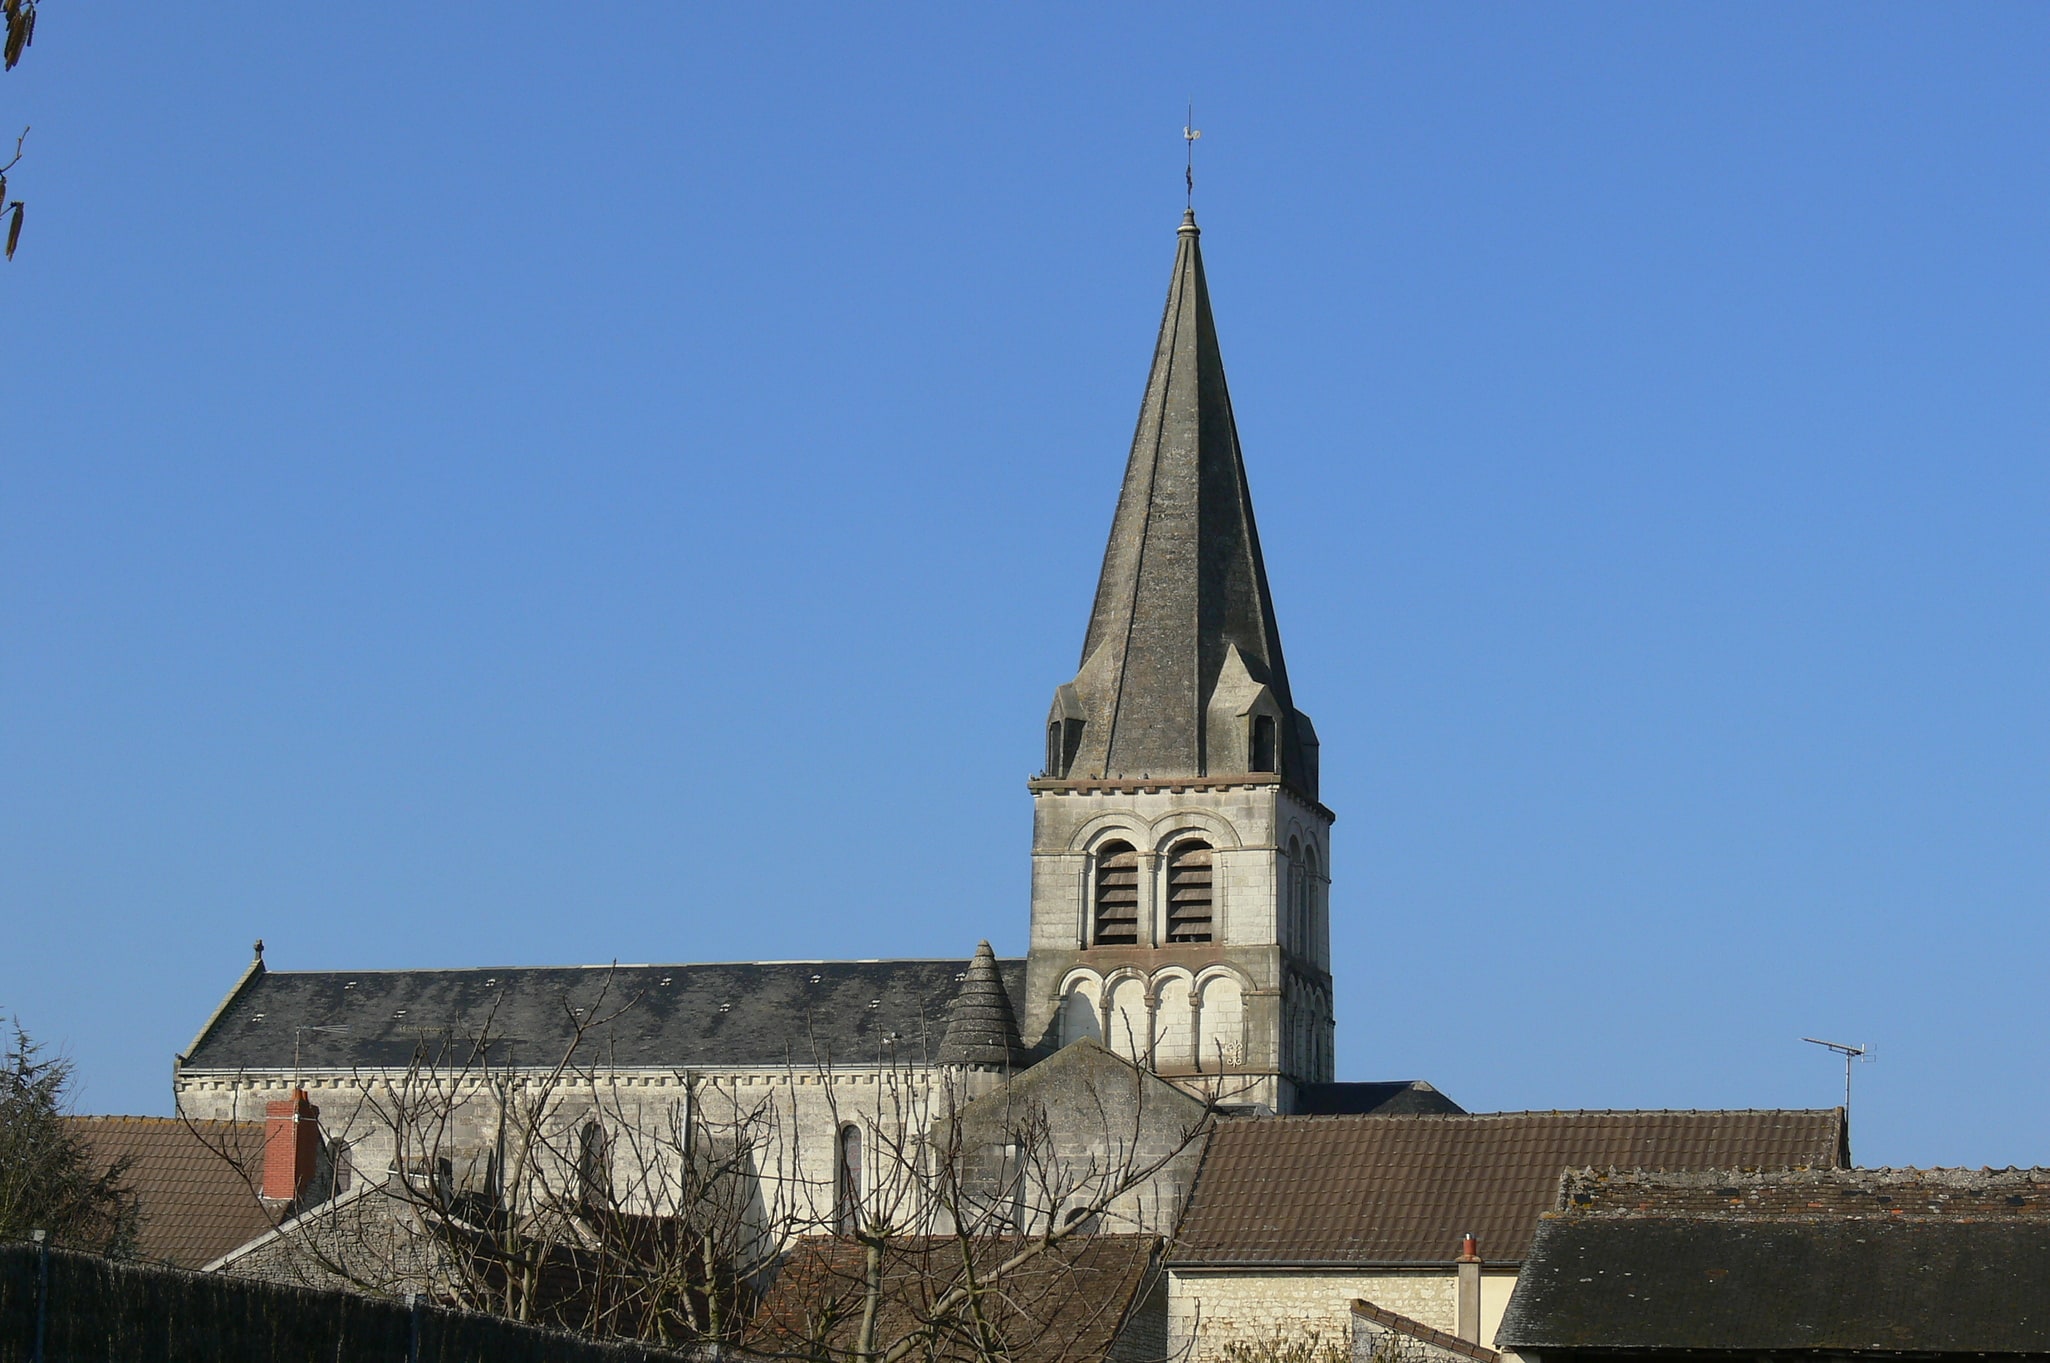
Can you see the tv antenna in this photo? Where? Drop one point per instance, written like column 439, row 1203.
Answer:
column 1851, row 1055
column 299, row 1035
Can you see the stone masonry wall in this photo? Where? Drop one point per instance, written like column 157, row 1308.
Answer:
column 1206, row 1312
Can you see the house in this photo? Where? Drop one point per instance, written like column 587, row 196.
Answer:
column 1292, row 1219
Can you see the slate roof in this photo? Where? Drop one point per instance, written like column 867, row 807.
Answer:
column 1907, row 1285
column 801, row 1013
column 1183, row 581
column 982, row 1029
column 1069, row 1305
column 1357, row 1098
column 1375, row 1190
column 196, row 1206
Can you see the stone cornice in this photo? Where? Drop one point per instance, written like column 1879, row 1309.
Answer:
column 1169, row 785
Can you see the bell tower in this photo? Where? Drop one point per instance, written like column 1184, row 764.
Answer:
column 1179, row 853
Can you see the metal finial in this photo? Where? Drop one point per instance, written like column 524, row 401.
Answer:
column 1190, row 133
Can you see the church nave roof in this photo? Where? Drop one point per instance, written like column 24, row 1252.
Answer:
column 802, row 1014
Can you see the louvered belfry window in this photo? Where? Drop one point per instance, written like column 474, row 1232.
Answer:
column 1117, row 896
column 1189, row 893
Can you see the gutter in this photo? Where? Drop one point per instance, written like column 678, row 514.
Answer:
column 1190, row 1267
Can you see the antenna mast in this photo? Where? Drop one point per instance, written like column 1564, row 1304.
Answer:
column 1849, row 1053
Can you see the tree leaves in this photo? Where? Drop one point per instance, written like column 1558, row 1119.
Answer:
column 48, row 1179
column 21, row 28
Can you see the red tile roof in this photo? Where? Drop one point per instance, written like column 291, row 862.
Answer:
column 196, row 1206
column 1404, row 1190
column 1070, row 1304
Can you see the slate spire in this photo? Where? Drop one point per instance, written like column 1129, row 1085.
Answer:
column 1182, row 673
column 982, row 1029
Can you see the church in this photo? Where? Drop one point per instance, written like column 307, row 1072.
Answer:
column 1173, row 1015
column 1181, row 862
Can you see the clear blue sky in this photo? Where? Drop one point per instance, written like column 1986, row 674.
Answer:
column 522, row 484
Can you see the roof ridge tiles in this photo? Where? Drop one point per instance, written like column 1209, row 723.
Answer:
column 636, row 965
column 1250, row 1119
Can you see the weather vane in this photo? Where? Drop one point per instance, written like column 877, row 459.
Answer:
column 1189, row 135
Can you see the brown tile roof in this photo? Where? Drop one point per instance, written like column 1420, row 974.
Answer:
column 1403, row 1190
column 1067, row 1305
column 196, row 1206
column 1416, row 1329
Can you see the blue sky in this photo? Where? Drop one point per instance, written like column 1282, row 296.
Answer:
column 514, row 485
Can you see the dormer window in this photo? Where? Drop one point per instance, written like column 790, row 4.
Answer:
column 1189, row 892
column 1262, row 745
column 1117, row 896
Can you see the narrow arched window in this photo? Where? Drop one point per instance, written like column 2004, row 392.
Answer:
column 594, row 1167
column 1292, row 899
column 1053, row 748
column 847, row 1180
column 1314, row 928
column 1189, row 893
column 1117, row 895
column 1263, row 743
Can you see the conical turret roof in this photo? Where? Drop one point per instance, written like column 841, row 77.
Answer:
column 982, row 1029
column 1183, row 657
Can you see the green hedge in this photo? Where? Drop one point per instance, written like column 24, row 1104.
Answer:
column 107, row 1311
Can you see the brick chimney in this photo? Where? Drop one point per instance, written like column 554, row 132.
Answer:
column 291, row 1147
column 1470, row 1290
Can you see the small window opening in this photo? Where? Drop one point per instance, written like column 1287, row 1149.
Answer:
column 1063, row 737
column 1117, row 896
column 1189, row 893
column 847, row 1186
column 1263, row 743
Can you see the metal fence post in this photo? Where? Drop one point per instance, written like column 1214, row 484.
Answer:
column 412, row 1328
column 42, row 1239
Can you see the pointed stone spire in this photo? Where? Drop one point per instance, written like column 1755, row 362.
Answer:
column 1182, row 673
column 982, row 1029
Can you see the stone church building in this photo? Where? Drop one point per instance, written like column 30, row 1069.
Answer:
column 1173, row 1012
column 1179, row 912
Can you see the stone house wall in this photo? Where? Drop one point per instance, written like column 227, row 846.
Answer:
column 1207, row 1311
